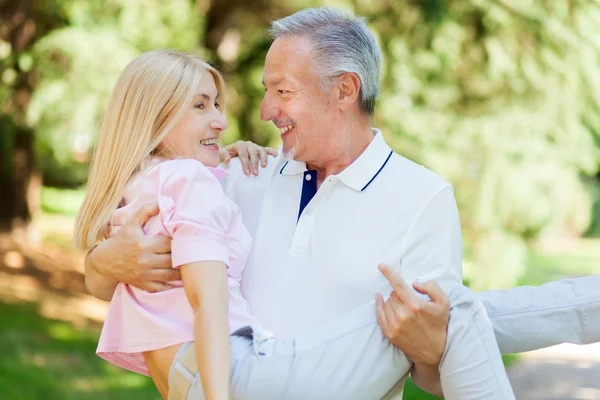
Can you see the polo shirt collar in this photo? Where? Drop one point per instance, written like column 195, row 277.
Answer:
column 292, row 167
column 367, row 166
column 362, row 171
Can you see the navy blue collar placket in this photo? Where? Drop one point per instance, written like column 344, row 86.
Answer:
column 309, row 189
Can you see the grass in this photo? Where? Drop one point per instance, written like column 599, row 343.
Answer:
column 47, row 359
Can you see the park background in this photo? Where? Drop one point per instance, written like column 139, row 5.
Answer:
column 500, row 97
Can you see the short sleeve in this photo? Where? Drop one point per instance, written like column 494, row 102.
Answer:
column 433, row 250
column 195, row 212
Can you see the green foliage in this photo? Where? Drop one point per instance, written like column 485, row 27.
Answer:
column 79, row 64
column 67, row 105
column 501, row 97
column 62, row 201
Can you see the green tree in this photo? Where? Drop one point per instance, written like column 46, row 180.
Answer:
column 78, row 65
column 499, row 96
column 21, row 24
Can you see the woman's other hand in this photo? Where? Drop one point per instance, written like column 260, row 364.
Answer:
column 249, row 154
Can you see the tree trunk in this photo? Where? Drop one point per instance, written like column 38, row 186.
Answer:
column 17, row 173
column 18, row 181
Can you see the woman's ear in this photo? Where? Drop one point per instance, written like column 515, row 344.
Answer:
column 349, row 90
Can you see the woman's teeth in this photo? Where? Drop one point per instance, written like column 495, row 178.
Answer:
column 208, row 142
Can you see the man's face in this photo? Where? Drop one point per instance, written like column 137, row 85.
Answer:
column 304, row 114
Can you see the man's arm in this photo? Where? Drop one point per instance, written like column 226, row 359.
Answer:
column 99, row 286
column 432, row 251
column 132, row 258
column 418, row 324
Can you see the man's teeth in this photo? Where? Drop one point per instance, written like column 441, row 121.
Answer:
column 208, row 142
column 286, row 128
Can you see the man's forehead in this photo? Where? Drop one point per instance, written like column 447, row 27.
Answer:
column 274, row 78
column 289, row 59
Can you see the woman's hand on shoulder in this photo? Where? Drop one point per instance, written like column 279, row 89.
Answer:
column 249, row 154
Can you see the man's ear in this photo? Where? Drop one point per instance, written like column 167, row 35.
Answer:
column 349, row 90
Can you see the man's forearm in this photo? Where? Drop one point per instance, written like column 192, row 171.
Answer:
column 427, row 378
column 97, row 284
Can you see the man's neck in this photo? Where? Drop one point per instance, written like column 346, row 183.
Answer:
column 356, row 144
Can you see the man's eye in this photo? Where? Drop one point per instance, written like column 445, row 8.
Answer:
column 199, row 106
column 280, row 91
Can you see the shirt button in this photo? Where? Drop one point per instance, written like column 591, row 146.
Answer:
column 308, row 177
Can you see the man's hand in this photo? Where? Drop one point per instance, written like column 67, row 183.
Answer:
column 133, row 258
column 414, row 325
column 249, row 154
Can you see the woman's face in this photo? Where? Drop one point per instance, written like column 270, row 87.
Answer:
column 197, row 133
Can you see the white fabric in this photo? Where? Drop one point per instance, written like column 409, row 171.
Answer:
column 307, row 272
column 381, row 208
column 528, row 318
column 350, row 358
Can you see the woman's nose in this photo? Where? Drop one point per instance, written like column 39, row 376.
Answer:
column 219, row 123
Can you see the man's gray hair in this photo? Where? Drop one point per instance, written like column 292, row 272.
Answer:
column 341, row 43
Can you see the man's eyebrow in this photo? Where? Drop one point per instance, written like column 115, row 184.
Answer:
column 274, row 83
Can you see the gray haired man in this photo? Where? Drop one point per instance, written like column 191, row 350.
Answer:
column 337, row 204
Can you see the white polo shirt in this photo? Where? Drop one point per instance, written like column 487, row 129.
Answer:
column 316, row 253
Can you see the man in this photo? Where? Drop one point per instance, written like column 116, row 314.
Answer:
column 342, row 203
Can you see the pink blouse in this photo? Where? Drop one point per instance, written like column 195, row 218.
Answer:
column 205, row 225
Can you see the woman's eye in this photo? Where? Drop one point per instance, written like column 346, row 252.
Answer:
column 199, row 106
column 217, row 106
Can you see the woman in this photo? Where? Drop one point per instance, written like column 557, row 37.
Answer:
column 158, row 143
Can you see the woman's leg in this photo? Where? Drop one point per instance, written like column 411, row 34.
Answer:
column 350, row 358
column 529, row 318
column 184, row 377
column 471, row 367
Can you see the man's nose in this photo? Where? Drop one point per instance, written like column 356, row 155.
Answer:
column 268, row 110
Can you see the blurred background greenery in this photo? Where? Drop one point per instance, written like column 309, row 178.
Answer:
column 500, row 97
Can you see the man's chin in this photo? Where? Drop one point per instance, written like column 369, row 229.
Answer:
column 290, row 154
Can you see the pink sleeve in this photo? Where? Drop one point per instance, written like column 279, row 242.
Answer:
column 195, row 212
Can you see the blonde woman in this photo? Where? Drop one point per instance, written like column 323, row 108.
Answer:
column 158, row 144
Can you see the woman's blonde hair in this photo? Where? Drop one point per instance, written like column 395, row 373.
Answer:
column 149, row 98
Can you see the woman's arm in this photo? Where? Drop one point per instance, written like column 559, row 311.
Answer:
column 206, row 287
